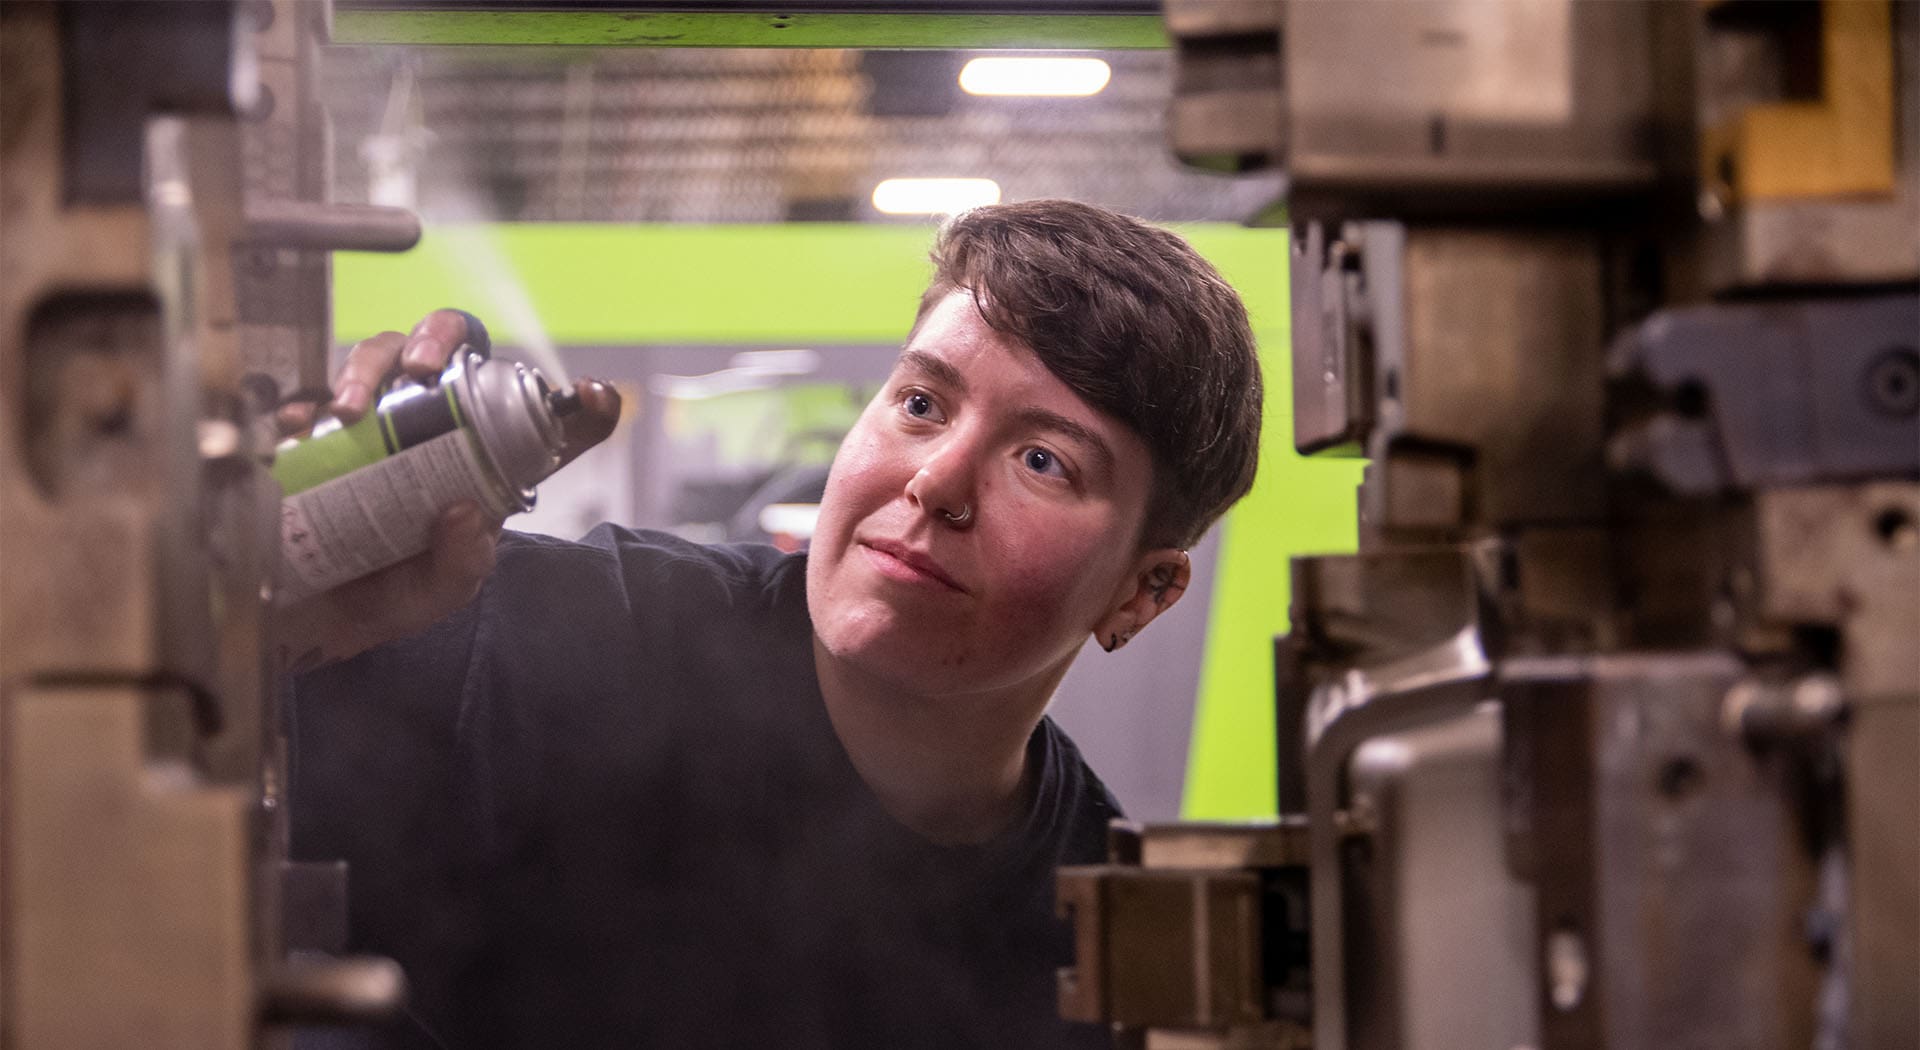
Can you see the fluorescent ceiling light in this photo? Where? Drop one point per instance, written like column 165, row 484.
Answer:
column 934, row 196
column 748, row 370
column 798, row 520
column 1014, row 75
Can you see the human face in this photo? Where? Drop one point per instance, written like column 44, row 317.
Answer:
column 971, row 421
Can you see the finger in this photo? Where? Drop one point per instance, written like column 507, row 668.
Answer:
column 462, row 554
column 598, row 414
column 457, row 523
column 367, row 367
column 294, row 418
column 433, row 341
column 404, row 599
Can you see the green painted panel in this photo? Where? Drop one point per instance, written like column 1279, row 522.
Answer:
column 633, row 284
column 747, row 29
column 637, row 284
column 1297, row 506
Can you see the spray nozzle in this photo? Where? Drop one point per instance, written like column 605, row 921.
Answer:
column 563, row 402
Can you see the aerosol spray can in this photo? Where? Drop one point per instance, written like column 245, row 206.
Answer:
column 364, row 496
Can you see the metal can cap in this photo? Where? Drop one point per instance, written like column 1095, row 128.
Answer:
column 514, row 421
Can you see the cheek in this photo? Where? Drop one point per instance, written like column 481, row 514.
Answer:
column 852, row 486
column 1055, row 579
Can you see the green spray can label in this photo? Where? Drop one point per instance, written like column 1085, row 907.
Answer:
column 362, row 496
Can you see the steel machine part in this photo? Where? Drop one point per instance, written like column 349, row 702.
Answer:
column 1194, row 936
column 145, row 895
column 1617, row 706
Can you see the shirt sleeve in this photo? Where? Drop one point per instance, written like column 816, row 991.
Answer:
column 419, row 763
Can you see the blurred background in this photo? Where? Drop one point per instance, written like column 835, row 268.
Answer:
column 736, row 135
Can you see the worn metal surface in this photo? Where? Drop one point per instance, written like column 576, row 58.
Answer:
column 1883, row 782
column 1499, row 318
column 1772, row 394
column 1166, row 948
column 1278, row 1035
column 331, row 991
column 128, row 887
column 315, row 900
column 282, row 263
column 1335, row 283
column 1766, row 243
column 1393, row 642
column 1423, row 870
column 1193, row 936
column 1542, row 100
column 1672, row 873
column 285, row 301
column 1407, row 334
column 1228, row 111
column 1681, row 580
column 140, row 758
column 110, row 82
column 1222, row 845
column 1848, row 556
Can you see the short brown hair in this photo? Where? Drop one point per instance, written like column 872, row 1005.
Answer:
column 1132, row 319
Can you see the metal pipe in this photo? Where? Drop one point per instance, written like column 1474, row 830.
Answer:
column 332, row 227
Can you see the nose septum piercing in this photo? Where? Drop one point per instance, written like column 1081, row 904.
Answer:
column 965, row 515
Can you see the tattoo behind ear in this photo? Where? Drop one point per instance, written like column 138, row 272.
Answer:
column 1163, row 585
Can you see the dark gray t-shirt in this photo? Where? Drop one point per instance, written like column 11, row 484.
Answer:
column 602, row 806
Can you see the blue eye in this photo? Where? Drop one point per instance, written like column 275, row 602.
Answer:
column 919, row 406
column 1040, row 461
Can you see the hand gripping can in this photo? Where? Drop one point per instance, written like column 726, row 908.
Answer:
column 363, row 496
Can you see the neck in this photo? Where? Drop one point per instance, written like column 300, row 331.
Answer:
column 951, row 768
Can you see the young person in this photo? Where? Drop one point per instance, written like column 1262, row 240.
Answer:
column 642, row 792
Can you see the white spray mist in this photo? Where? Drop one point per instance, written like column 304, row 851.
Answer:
column 502, row 300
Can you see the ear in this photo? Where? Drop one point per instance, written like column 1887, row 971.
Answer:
column 1157, row 580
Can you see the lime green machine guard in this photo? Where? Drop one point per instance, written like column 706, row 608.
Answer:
column 561, row 28
column 1095, row 24
column 832, row 284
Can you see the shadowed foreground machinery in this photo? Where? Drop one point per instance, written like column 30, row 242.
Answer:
column 163, row 285
column 1608, row 734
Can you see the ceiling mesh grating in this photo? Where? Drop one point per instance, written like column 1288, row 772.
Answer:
column 718, row 136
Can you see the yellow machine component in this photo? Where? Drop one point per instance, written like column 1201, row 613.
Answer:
column 1840, row 145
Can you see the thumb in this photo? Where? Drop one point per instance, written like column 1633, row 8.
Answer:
column 461, row 555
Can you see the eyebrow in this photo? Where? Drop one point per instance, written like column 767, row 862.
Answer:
column 1044, row 419
column 938, row 370
column 934, row 368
